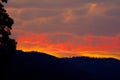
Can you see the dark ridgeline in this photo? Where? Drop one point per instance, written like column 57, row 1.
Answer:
column 102, row 68
column 18, row 65
column 41, row 66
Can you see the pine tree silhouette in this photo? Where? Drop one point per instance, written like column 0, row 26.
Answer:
column 6, row 23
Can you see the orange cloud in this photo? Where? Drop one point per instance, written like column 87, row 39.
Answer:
column 68, row 16
column 37, row 30
column 55, row 44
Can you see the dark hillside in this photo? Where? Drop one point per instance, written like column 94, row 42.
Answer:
column 103, row 68
column 40, row 66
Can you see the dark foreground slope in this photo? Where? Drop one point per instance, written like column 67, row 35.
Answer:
column 102, row 68
column 40, row 66
column 37, row 66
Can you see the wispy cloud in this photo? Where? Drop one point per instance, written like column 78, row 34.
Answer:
column 66, row 25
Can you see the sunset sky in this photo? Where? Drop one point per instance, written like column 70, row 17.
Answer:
column 66, row 28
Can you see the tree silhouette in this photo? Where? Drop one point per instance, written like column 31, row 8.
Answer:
column 6, row 23
column 4, row 1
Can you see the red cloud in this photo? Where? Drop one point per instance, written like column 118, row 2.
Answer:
column 68, row 43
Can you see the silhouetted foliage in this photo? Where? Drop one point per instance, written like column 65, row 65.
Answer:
column 6, row 23
column 5, row 1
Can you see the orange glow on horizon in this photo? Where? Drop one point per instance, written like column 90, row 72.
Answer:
column 92, row 46
column 63, row 30
column 69, row 54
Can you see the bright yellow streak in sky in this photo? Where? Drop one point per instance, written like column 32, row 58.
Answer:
column 61, row 54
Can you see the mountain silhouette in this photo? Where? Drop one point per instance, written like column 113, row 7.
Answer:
column 102, row 68
column 41, row 66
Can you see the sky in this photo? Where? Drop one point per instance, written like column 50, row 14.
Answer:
column 67, row 28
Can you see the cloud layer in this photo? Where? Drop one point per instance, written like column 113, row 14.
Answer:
column 70, row 21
